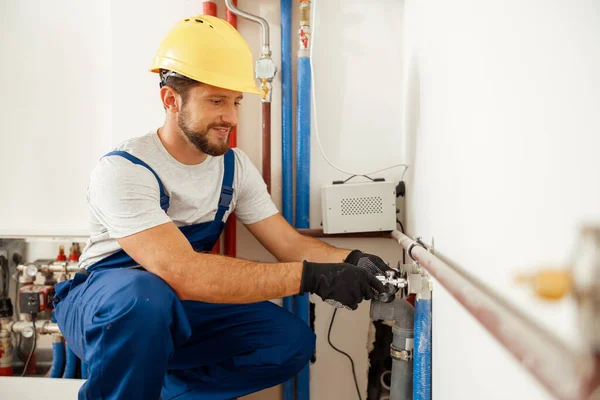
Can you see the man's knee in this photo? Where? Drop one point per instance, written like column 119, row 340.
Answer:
column 301, row 343
column 143, row 297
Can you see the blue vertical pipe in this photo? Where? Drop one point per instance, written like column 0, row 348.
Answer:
column 303, row 196
column 58, row 359
column 84, row 370
column 303, row 144
column 71, row 365
column 287, row 154
column 287, row 151
column 422, row 351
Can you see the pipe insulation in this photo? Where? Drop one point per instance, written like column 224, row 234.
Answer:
column 422, row 350
column 303, row 168
column 84, row 370
column 287, row 151
column 70, row 364
column 303, row 145
column 58, row 357
column 566, row 371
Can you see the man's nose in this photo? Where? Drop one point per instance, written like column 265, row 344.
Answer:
column 230, row 116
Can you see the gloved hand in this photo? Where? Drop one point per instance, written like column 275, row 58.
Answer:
column 342, row 282
column 370, row 262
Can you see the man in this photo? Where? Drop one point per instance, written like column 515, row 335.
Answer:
column 152, row 313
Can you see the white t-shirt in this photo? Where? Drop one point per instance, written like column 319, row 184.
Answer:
column 123, row 198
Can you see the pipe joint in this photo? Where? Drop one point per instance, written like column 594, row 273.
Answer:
column 265, row 68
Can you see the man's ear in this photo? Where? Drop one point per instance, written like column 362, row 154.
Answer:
column 169, row 97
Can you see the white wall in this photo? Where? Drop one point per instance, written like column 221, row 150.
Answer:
column 503, row 134
column 101, row 53
column 500, row 131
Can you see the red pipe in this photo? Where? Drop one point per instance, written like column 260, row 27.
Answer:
column 266, row 144
column 230, row 225
column 210, row 8
column 231, row 17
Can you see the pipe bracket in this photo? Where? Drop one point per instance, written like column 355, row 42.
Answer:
column 400, row 354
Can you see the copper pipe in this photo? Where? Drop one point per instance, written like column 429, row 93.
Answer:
column 565, row 372
column 230, row 225
column 318, row 233
column 210, row 8
column 266, row 144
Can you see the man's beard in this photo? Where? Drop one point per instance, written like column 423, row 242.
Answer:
column 200, row 138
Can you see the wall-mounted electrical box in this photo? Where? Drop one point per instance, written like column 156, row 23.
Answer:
column 358, row 207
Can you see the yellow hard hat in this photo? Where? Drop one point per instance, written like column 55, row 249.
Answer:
column 207, row 49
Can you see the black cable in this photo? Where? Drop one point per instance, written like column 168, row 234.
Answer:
column 401, row 226
column 403, row 251
column 5, row 276
column 32, row 346
column 344, row 353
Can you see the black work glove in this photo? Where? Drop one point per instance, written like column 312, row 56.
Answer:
column 370, row 262
column 342, row 282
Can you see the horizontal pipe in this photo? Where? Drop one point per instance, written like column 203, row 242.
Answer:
column 43, row 327
column 565, row 372
column 54, row 267
column 318, row 233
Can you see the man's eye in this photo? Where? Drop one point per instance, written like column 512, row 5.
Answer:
column 217, row 102
column 237, row 104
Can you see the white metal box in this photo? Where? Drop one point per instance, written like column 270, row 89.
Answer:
column 358, row 207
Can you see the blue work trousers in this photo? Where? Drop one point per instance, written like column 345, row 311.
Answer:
column 141, row 342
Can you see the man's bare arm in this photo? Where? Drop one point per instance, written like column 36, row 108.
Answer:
column 286, row 244
column 164, row 251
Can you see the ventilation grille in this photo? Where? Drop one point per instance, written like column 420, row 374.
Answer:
column 362, row 205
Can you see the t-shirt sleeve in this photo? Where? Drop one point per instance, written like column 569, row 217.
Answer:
column 124, row 197
column 254, row 202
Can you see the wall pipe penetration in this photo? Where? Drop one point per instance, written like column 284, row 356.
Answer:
column 564, row 371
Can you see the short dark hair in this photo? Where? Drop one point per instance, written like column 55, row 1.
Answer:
column 179, row 83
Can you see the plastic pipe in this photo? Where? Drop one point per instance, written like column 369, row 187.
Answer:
column 402, row 345
column 71, row 364
column 566, row 371
column 303, row 169
column 230, row 224
column 422, row 351
column 287, row 155
column 58, row 357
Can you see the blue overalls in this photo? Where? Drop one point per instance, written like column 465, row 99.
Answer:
column 141, row 342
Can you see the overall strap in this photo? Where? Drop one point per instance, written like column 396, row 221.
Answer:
column 164, row 198
column 226, row 186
